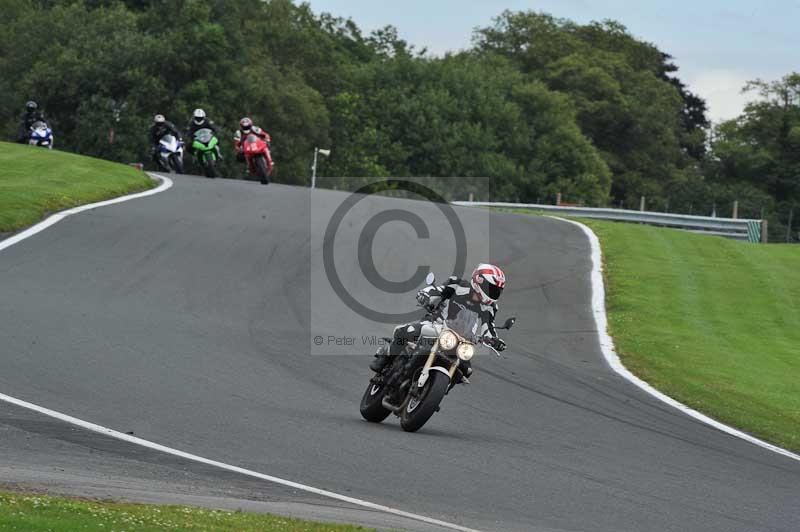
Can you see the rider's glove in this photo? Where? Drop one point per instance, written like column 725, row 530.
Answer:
column 423, row 298
column 498, row 344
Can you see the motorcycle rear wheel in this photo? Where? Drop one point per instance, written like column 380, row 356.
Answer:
column 417, row 412
column 372, row 408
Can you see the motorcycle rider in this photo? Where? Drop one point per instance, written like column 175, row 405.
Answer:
column 31, row 116
column 200, row 121
column 479, row 294
column 246, row 127
column 161, row 127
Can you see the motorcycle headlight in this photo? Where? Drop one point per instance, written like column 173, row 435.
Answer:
column 448, row 340
column 465, row 351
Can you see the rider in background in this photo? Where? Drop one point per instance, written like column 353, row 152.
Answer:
column 31, row 116
column 200, row 121
column 161, row 127
column 246, row 127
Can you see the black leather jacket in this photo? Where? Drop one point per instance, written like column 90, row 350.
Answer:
column 28, row 120
column 446, row 301
column 158, row 130
column 193, row 127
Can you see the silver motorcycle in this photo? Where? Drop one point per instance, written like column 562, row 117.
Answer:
column 414, row 384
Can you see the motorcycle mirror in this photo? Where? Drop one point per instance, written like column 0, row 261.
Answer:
column 430, row 278
column 509, row 323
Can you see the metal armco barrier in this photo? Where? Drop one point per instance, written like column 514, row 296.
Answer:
column 737, row 228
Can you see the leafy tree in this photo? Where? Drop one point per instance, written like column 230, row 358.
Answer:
column 761, row 149
column 628, row 106
column 538, row 106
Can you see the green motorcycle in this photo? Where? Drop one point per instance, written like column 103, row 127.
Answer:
column 206, row 150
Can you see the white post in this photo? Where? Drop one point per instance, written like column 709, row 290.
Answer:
column 314, row 169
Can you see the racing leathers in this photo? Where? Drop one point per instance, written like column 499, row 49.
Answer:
column 257, row 131
column 194, row 127
column 444, row 302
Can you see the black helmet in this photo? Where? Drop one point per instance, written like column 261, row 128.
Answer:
column 31, row 106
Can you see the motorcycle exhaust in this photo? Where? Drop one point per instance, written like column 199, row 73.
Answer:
column 396, row 408
column 389, row 406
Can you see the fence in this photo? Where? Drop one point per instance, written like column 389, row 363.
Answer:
column 737, row 228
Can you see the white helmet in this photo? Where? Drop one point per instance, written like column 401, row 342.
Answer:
column 159, row 119
column 488, row 281
column 198, row 116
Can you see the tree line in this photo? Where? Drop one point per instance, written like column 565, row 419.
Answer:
column 535, row 107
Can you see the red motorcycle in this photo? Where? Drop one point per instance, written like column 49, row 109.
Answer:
column 259, row 160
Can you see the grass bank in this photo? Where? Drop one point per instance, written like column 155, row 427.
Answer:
column 35, row 182
column 714, row 323
column 41, row 513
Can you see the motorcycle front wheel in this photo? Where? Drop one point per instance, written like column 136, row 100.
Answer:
column 261, row 169
column 372, row 408
column 176, row 162
column 418, row 410
column 210, row 167
column 163, row 164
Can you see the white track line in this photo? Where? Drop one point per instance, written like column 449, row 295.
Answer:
column 166, row 183
column 607, row 346
column 182, row 454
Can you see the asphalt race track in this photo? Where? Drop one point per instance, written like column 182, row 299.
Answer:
column 187, row 317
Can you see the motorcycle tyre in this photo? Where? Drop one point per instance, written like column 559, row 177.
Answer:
column 371, row 407
column 432, row 394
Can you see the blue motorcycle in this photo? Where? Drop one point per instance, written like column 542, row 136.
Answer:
column 170, row 154
column 41, row 135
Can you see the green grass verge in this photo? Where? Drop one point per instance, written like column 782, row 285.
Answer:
column 35, row 182
column 43, row 513
column 714, row 323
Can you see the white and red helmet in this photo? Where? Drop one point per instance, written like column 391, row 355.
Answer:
column 488, row 281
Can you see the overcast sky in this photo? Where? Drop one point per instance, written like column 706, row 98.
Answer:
column 717, row 44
